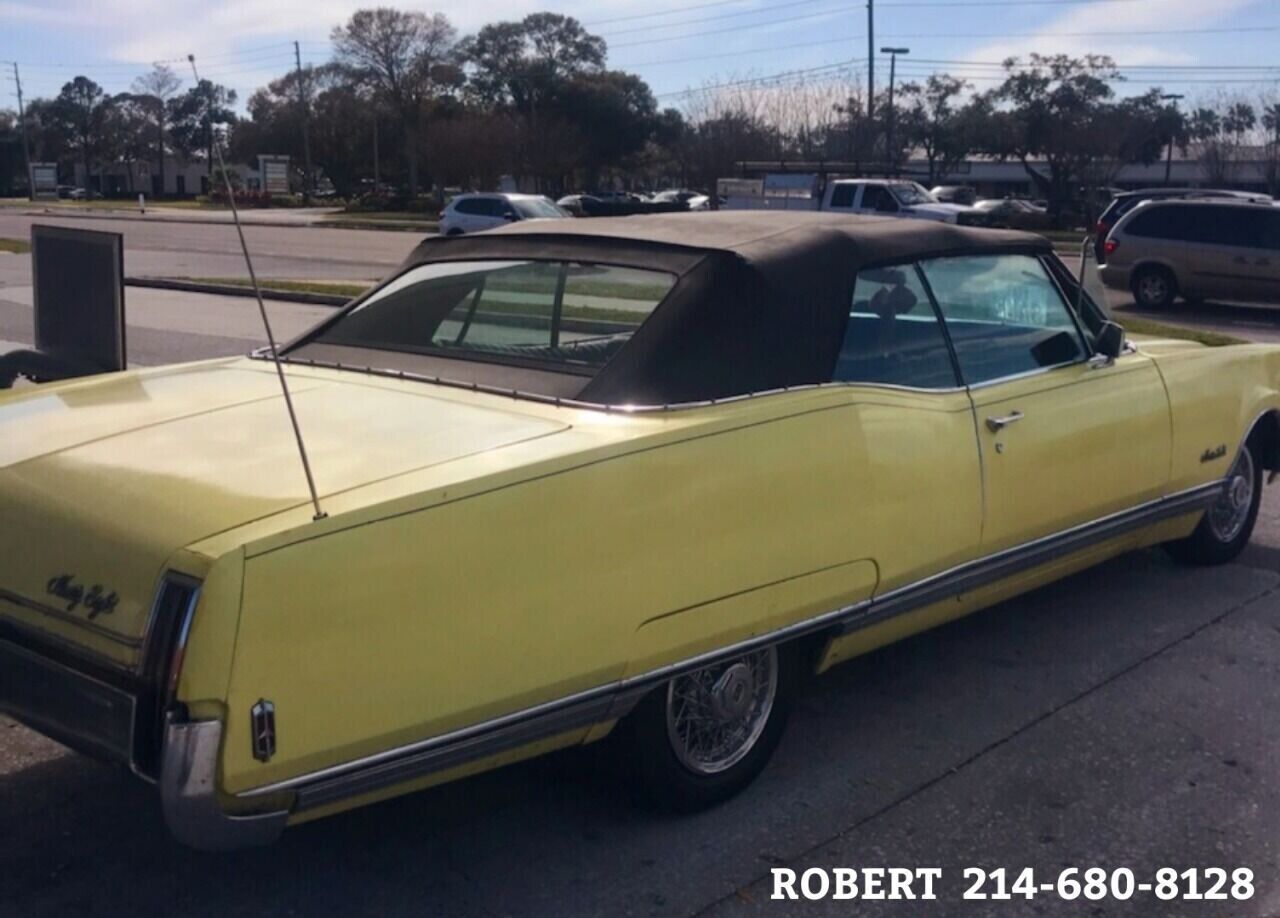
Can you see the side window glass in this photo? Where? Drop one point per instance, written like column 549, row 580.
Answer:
column 842, row 195
column 468, row 206
column 1004, row 314
column 894, row 336
column 879, row 199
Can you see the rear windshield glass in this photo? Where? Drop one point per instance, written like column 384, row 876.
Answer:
column 533, row 208
column 569, row 315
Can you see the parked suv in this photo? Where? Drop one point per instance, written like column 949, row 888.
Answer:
column 1122, row 203
column 1197, row 249
column 471, row 213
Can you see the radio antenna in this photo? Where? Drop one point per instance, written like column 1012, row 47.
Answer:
column 262, row 308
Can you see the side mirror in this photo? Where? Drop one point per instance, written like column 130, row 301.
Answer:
column 510, row 217
column 1110, row 341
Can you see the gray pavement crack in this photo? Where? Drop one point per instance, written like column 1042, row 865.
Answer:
column 954, row 770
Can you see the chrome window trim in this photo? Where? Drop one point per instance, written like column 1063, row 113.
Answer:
column 613, row 700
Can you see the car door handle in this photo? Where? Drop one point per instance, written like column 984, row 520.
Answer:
column 995, row 425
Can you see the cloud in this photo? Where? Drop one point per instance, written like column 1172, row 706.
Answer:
column 1120, row 20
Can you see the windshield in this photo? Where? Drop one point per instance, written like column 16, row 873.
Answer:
column 909, row 193
column 567, row 314
column 533, row 208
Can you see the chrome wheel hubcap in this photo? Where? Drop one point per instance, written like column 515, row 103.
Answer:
column 1153, row 288
column 716, row 715
column 1228, row 515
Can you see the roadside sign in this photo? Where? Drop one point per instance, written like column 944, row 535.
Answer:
column 44, row 179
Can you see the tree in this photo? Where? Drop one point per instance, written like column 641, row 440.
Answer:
column 79, row 114
column 193, row 116
column 936, row 124
column 516, row 63
column 156, row 89
column 1271, row 124
column 407, row 58
column 127, row 120
column 1052, row 108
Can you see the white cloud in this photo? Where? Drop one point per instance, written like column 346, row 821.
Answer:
column 1120, row 21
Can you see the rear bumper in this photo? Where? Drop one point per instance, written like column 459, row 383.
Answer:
column 1115, row 277
column 189, row 793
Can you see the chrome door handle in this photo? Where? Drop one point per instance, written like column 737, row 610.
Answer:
column 995, row 425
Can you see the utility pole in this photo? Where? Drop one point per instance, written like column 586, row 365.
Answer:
column 377, row 180
column 893, row 66
column 1168, row 162
column 26, row 143
column 871, row 60
column 306, row 120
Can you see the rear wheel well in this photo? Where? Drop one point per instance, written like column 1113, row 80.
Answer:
column 1265, row 434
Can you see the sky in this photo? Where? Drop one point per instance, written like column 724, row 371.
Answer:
column 1200, row 48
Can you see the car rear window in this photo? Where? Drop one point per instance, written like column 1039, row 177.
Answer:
column 534, row 208
column 562, row 314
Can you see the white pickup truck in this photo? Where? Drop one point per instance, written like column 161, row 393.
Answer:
column 884, row 197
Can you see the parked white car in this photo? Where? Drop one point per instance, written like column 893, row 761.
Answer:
column 474, row 213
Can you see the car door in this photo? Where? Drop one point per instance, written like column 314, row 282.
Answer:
column 1270, row 275
column 1063, row 439
column 915, row 478
column 467, row 214
column 877, row 199
column 1227, row 257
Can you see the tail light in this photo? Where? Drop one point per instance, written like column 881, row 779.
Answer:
column 1101, row 228
column 440, row 216
column 1110, row 246
column 164, row 654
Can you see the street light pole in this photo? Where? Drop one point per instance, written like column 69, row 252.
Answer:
column 893, row 66
column 1168, row 162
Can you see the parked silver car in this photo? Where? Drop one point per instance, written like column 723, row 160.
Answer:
column 1196, row 249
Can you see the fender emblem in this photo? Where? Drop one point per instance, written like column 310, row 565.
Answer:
column 96, row 598
column 1216, row 453
column 262, row 718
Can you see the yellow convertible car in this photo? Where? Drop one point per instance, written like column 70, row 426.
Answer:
column 626, row 477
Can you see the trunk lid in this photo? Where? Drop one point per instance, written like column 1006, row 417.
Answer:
column 102, row 481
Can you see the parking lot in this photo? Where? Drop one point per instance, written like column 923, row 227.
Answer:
column 1123, row 717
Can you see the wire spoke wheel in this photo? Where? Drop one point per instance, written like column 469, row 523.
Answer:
column 716, row 715
column 1230, row 513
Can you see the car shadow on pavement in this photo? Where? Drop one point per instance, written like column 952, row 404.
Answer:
column 560, row 835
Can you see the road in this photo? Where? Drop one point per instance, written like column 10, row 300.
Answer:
column 1123, row 717
column 166, row 248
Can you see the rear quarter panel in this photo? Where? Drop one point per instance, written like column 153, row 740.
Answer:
column 593, row 567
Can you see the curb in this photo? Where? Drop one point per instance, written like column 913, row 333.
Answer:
column 138, row 218
column 394, row 226
column 288, row 296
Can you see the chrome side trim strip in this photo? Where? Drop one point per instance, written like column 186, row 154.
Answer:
column 613, row 700
column 993, row 568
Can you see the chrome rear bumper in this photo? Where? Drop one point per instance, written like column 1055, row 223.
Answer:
column 189, row 793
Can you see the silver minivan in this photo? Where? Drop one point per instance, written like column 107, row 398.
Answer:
column 1196, row 249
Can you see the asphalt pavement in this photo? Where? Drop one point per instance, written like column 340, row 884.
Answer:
column 1124, row 717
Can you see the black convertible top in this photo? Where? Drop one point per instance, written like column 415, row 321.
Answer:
column 761, row 301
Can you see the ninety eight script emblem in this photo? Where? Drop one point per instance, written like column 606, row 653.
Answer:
column 96, row 598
